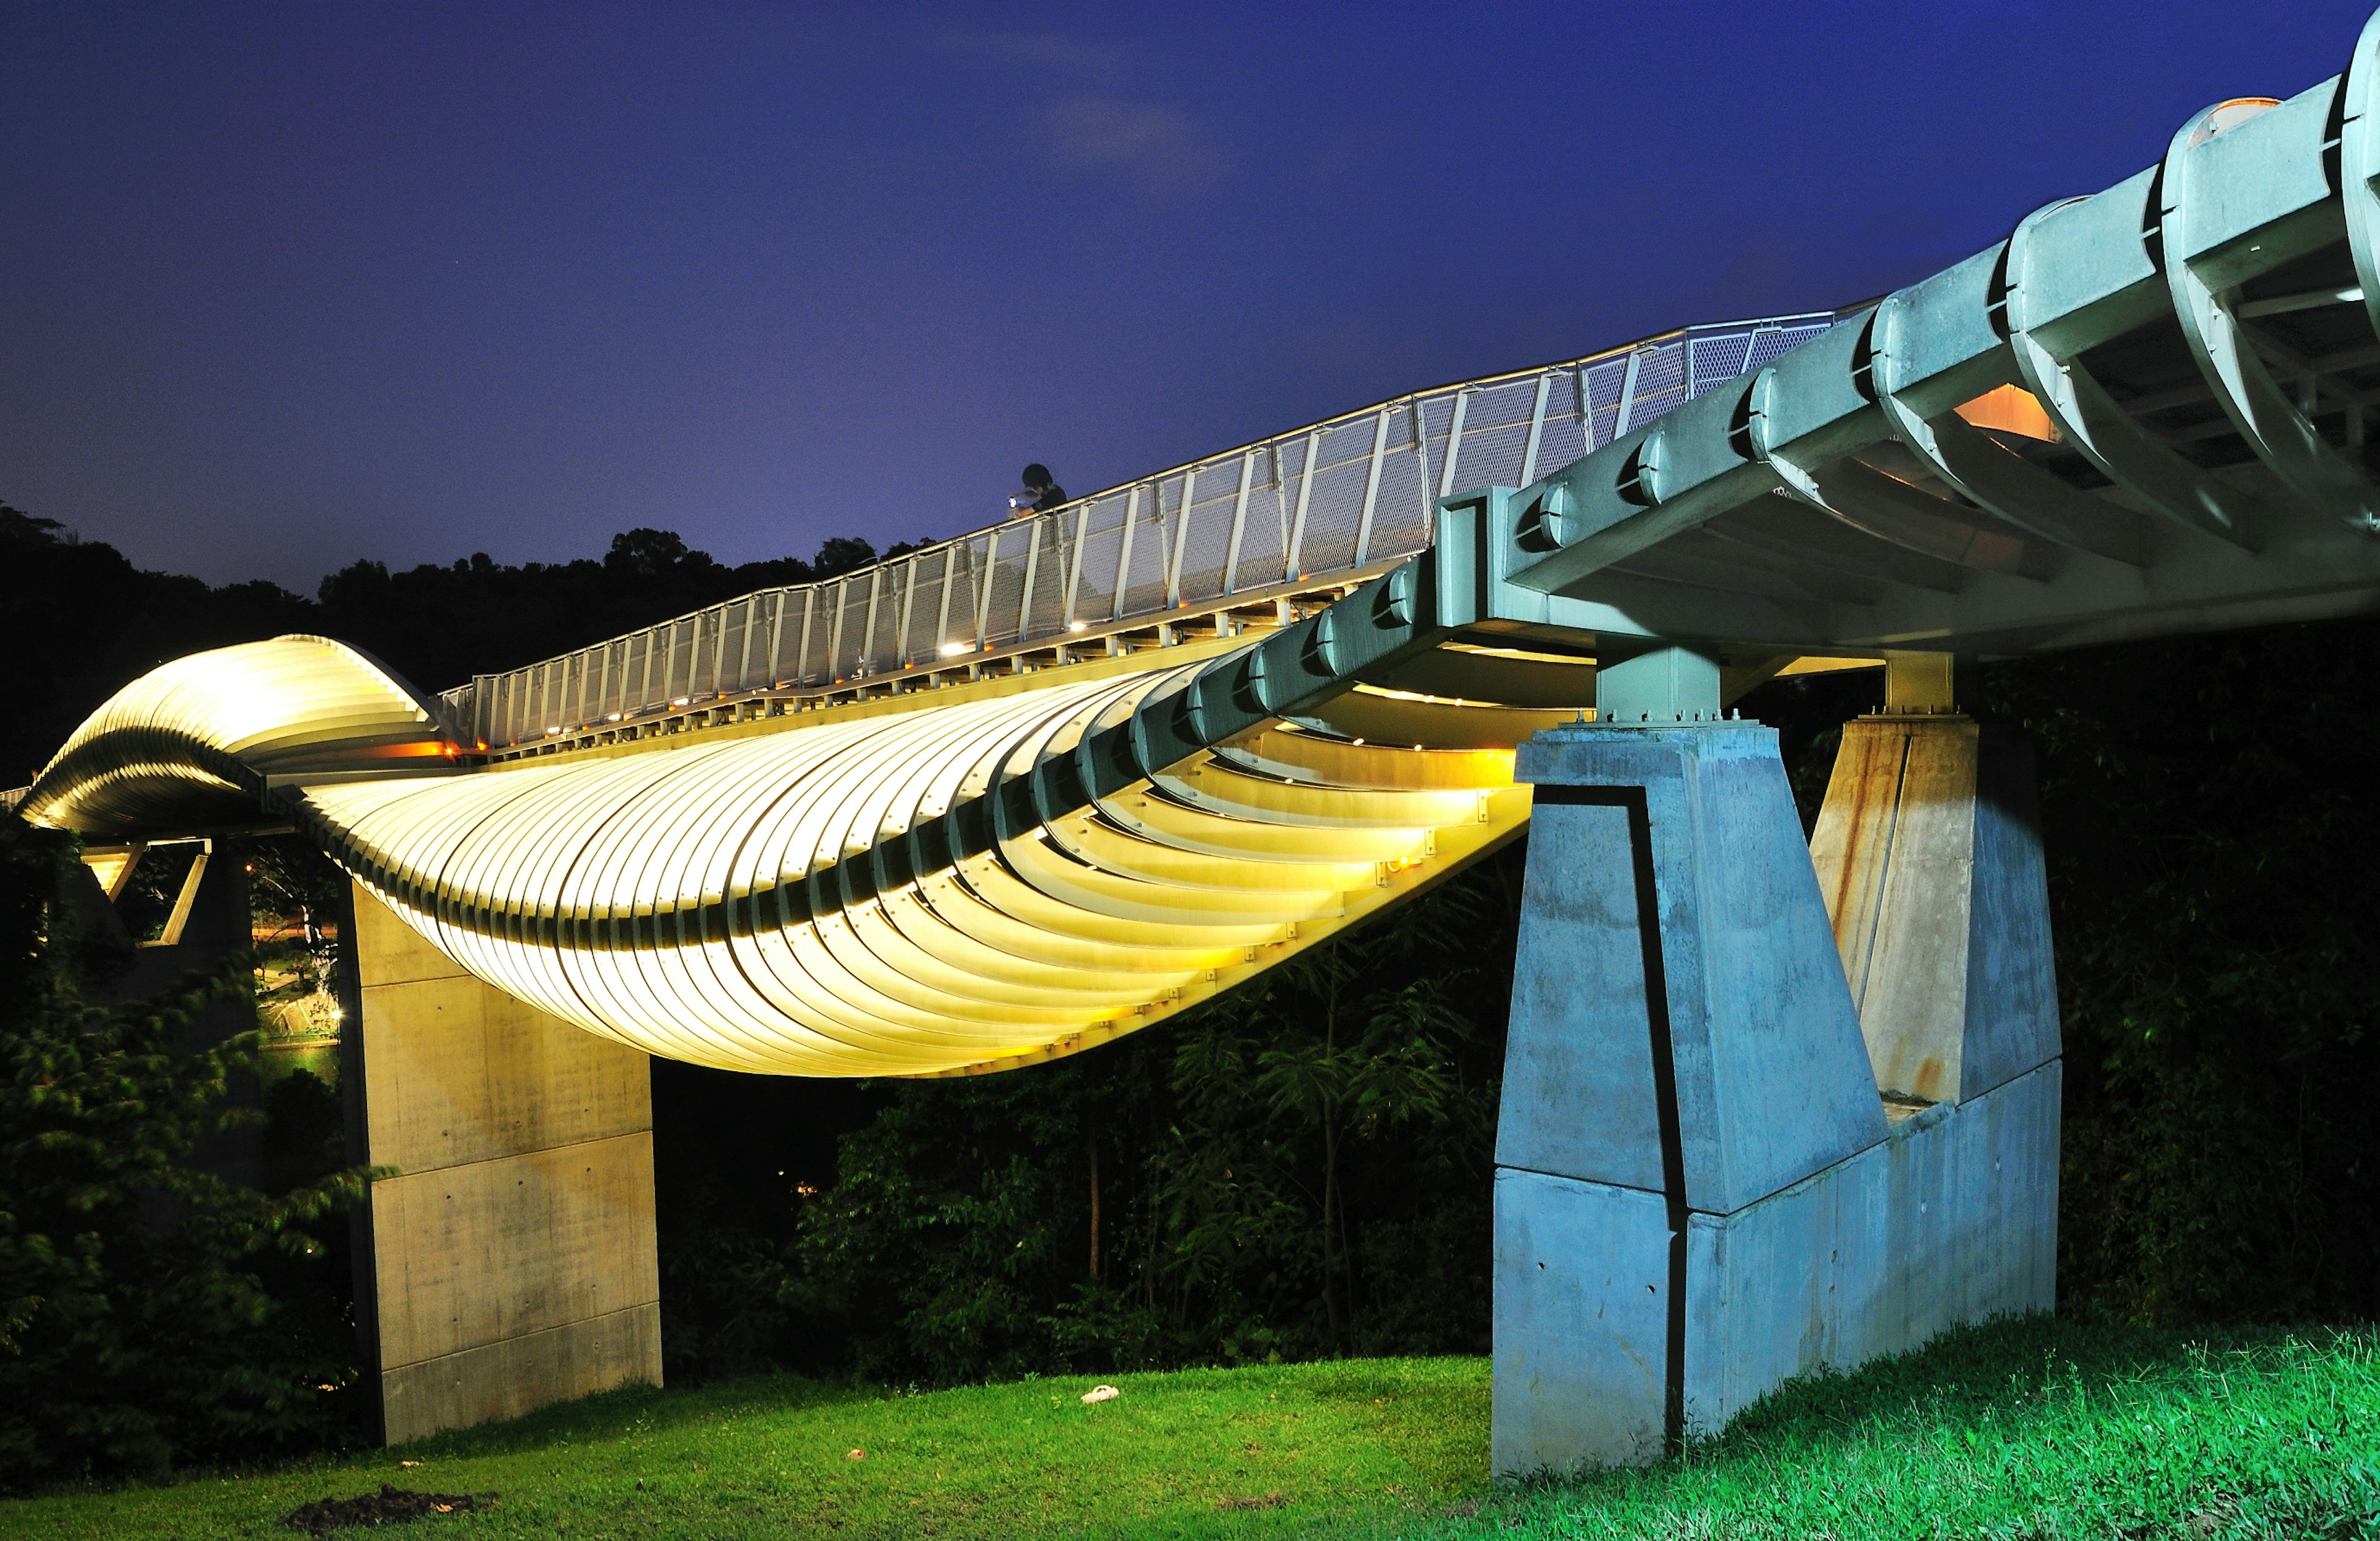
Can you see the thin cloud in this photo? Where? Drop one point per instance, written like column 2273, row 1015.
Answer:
column 1161, row 148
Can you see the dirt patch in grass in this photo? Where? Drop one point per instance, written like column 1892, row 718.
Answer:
column 390, row 1506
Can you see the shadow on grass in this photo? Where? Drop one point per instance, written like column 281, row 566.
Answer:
column 638, row 1409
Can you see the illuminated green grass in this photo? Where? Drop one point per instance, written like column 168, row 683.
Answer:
column 2021, row 1430
column 1201, row 1452
column 2028, row 1429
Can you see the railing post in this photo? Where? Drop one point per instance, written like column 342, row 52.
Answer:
column 834, row 631
column 1537, row 431
column 1454, row 445
column 1627, row 394
column 1123, row 550
column 810, row 613
column 901, row 653
column 863, row 664
column 983, row 598
column 1421, row 456
column 1032, row 571
column 751, row 625
column 1074, row 560
column 1239, row 522
column 1291, row 564
column 1372, row 486
column 950, row 581
column 1181, row 535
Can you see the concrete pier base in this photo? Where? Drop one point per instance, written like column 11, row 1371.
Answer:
column 1700, row 1192
column 511, row 1263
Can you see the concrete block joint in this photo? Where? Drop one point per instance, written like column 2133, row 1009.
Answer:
column 1700, row 1190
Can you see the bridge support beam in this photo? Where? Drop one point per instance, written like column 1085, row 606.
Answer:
column 1700, row 1192
column 511, row 1264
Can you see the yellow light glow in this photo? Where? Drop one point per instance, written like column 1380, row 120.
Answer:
column 786, row 900
column 2010, row 409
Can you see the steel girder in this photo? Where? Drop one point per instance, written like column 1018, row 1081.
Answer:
column 2201, row 339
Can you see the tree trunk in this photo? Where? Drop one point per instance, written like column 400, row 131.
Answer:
column 1094, row 1205
column 1329, row 1205
column 1329, row 1145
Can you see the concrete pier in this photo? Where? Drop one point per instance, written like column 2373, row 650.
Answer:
column 1700, row 1191
column 511, row 1264
column 1928, row 851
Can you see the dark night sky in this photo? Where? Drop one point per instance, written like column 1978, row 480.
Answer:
column 282, row 286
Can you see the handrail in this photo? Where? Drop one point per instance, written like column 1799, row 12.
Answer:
column 1334, row 497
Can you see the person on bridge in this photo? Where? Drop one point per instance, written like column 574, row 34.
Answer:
column 1041, row 492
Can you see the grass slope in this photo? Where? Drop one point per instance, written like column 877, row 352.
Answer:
column 2024, row 1430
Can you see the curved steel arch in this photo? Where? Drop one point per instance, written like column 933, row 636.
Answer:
column 934, row 891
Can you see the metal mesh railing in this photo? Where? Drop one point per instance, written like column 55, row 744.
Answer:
column 1332, row 498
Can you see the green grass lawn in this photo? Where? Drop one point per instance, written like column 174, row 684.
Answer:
column 2024, row 1430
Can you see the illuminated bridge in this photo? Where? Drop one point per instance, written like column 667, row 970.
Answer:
column 1015, row 794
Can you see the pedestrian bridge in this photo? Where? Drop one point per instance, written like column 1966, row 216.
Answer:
column 1000, row 799
column 1017, row 793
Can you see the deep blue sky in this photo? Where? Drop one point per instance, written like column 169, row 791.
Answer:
column 284, row 286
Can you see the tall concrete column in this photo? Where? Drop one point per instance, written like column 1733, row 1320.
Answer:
column 511, row 1264
column 1699, row 1193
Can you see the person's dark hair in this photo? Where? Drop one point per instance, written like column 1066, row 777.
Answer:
column 1036, row 475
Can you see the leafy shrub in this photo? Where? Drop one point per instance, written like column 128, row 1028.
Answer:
column 1299, row 1168
column 150, row 1312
